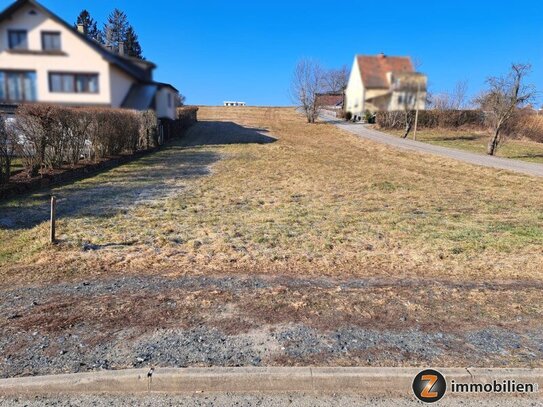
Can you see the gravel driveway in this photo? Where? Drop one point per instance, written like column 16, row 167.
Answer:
column 365, row 132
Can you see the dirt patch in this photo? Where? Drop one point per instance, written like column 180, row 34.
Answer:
column 263, row 321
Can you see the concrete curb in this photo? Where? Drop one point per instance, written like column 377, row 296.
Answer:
column 367, row 381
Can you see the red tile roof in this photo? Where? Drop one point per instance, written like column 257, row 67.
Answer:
column 374, row 69
column 329, row 99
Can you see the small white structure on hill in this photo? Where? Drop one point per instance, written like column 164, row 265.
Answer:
column 229, row 103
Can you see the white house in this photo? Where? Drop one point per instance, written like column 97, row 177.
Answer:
column 44, row 59
column 381, row 82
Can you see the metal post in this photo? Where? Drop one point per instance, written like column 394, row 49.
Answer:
column 52, row 236
column 416, row 112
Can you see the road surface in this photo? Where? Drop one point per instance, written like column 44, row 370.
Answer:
column 365, row 132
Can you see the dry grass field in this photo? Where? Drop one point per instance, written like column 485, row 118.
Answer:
column 261, row 240
column 315, row 201
column 476, row 142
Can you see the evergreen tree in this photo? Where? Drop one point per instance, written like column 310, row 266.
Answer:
column 132, row 44
column 118, row 29
column 90, row 25
column 115, row 29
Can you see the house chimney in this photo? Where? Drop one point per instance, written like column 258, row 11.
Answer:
column 81, row 28
column 121, row 48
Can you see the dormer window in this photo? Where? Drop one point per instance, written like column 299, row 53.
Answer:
column 18, row 39
column 50, row 41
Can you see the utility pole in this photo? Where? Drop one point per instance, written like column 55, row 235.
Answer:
column 416, row 111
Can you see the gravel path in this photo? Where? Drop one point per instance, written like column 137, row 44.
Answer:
column 406, row 144
column 139, row 321
column 249, row 400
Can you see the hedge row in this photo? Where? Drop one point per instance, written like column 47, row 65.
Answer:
column 5, row 152
column 526, row 125
column 433, row 119
column 50, row 136
column 520, row 125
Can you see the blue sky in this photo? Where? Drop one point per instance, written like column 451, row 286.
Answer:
column 246, row 50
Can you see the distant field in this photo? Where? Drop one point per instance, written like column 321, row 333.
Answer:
column 317, row 201
column 476, row 141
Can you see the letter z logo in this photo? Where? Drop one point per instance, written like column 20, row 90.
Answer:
column 429, row 386
column 427, row 392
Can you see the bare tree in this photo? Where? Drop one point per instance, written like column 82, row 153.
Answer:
column 417, row 63
column 408, row 105
column 307, row 82
column 335, row 80
column 180, row 100
column 459, row 95
column 500, row 102
column 455, row 100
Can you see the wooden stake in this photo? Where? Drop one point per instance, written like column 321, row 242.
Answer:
column 53, row 219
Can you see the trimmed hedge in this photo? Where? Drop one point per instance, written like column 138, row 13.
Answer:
column 526, row 125
column 187, row 114
column 433, row 119
column 5, row 152
column 49, row 136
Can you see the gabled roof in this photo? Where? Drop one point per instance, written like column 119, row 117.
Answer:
column 126, row 64
column 329, row 99
column 165, row 85
column 374, row 69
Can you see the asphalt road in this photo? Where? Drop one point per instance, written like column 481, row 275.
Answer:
column 365, row 132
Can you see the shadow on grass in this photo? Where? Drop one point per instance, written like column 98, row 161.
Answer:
column 148, row 179
column 145, row 180
column 221, row 133
column 528, row 155
column 457, row 138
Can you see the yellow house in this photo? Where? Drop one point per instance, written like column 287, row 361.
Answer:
column 44, row 59
column 381, row 82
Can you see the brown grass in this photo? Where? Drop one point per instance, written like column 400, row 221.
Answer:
column 316, row 202
column 520, row 148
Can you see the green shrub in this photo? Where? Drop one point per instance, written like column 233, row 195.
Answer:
column 369, row 117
